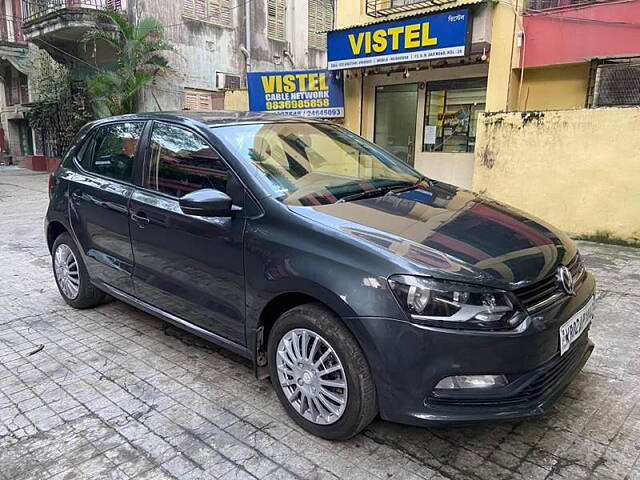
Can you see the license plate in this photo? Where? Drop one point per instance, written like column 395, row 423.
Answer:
column 573, row 328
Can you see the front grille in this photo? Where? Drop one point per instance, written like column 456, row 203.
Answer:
column 545, row 380
column 547, row 291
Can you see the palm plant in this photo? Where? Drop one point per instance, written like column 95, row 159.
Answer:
column 139, row 52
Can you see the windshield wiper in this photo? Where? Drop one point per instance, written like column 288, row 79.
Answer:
column 377, row 192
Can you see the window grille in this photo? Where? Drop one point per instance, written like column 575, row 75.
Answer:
column 383, row 8
column 615, row 82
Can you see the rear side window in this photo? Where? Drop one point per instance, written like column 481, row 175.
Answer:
column 181, row 162
column 112, row 150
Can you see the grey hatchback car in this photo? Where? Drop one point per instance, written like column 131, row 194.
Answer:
column 355, row 283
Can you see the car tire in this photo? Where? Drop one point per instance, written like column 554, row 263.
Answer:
column 349, row 365
column 71, row 275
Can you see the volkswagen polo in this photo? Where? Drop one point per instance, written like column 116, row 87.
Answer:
column 356, row 284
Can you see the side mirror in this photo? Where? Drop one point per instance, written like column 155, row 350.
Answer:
column 207, row 203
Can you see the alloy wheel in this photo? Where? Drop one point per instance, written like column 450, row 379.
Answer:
column 67, row 271
column 312, row 376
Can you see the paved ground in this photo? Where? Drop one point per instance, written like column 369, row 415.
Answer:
column 115, row 393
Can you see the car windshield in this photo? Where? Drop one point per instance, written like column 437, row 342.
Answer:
column 316, row 163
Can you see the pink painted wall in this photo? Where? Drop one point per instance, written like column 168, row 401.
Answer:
column 573, row 34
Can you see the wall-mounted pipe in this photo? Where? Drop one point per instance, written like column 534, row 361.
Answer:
column 289, row 55
column 246, row 51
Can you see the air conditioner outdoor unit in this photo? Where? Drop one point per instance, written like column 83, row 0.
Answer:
column 225, row 81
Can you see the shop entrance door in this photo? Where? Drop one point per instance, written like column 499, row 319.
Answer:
column 395, row 119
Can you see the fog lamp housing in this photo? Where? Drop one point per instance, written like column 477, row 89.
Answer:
column 471, row 381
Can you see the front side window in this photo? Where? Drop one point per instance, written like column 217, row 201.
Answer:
column 180, row 162
column 113, row 150
column 453, row 109
column 315, row 163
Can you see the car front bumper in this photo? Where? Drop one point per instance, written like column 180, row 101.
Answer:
column 408, row 360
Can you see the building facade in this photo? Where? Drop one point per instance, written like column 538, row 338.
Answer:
column 578, row 54
column 424, row 111
column 16, row 138
column 531, row 55
column 216, row 43
column 219, row 41
column 567, row 148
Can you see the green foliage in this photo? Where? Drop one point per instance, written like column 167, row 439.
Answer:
column 139, row 49
column 61, row 107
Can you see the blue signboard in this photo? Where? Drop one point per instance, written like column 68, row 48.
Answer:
column 407, row 40
column 310, row 93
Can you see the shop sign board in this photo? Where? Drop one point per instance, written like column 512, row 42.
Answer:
column 310, row 93
column 429, row 37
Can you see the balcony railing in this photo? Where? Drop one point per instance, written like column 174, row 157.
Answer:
column 11, row 29
column 382, row 8
column 533, row 6
column 33, row 9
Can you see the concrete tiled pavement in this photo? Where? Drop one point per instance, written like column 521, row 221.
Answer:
column 115, row 393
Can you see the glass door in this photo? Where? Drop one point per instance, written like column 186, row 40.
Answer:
column 453, row 109
column 395, row 119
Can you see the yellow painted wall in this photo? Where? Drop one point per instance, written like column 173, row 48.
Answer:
column 353, row 12
column 352, row 102
column 503, row 56
column 236, row 100
column 350, row 12
column 577, row 169
column 554, row 88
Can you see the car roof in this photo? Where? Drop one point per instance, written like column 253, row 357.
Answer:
column 213, row 117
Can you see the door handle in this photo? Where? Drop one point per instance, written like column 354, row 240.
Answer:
column 140, row 218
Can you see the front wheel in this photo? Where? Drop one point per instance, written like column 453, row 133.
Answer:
column 320, row 373
column 71, row 275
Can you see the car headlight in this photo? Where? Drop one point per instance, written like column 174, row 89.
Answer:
column 456, row 305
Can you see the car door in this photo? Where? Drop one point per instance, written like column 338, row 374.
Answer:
column 99, row 194
column 189, row 266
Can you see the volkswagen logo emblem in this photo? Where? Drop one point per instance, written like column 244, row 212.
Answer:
column 566, row 280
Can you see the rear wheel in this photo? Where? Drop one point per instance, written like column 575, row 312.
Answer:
column 71, row 275
column 320, row 373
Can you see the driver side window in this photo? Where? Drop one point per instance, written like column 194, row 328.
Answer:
column 180, row 162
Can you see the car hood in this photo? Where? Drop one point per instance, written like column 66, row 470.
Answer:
column 440, row 230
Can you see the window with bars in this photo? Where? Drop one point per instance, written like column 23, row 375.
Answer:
column 217, row 12
column 320, row 22
column 614, row 82
column 277, row 20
